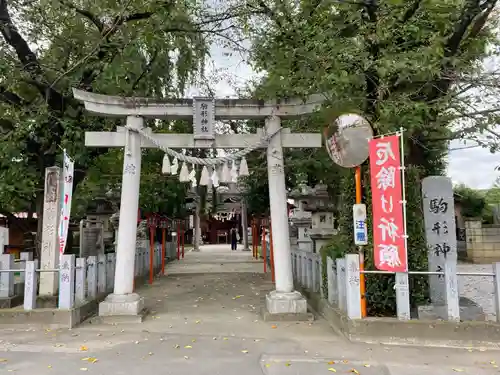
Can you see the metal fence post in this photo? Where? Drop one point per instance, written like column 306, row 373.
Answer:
column 6, row 278
column 496, row 281
column 80, row 280
column 30, row 284
column 67, row 282
column 353, row 293
column 341, row 283
column 92, row 277
column 451, row 288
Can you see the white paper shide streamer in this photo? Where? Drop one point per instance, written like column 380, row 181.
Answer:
column 225, row 172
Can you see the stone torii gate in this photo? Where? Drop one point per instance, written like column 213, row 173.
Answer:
column 123, row 300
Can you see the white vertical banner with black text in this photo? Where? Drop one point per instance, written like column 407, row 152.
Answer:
column 66, row 195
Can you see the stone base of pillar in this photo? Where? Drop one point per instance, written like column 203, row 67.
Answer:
column 121, row 306
column 286, row 307
column 246, row 249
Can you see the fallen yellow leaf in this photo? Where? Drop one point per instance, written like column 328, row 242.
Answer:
column 274, row 327
column 345, row 361
column 2, row 360
column 244, row 351
column 354, row 371
column 288, row 364
column 49, row 366
column 458, row 370
column 331, row 369
column 90, row 359
column 83, row 369
column 188, row 347
column 150, row 353
column 268, row 365
column 493, row 362
column 83, row 348
column 331, row 362
column 177, row 346
column 225, row 339
column 367, row 365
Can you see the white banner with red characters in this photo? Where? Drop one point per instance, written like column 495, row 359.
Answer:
column 66, row 195
column 388, row 223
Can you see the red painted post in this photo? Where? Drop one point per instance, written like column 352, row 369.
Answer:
column 151, row 254
column 164, row 224
column 178, row 240
column 264, row 248
column 182, row 239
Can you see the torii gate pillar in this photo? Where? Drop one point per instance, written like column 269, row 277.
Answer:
column 123, row 301
column 284, row 299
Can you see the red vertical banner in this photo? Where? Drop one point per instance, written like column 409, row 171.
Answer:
column 388, row 225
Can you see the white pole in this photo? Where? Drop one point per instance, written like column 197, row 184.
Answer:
column 403, row 186
column 402, row 284
column 278, row 205
column 129, row 205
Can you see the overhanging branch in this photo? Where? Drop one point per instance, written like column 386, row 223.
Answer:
column 85, row 13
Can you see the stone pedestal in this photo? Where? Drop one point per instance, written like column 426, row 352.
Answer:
column 121, row 304
column 290, row 306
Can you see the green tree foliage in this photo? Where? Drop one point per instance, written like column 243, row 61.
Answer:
column 492, row 195
column 409, row 64
column 142, row 48
column 472, row 202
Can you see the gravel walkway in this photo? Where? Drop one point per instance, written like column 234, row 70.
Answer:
column 479, row 289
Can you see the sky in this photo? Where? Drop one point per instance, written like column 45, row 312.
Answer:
column 474, row 166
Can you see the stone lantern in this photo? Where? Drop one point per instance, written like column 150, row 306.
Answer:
column 300, row 218
column 322, row 210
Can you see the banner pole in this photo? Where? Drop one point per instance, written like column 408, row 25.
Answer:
column 403, row 192
column 362, row 280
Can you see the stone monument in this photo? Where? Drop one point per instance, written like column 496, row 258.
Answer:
column 440, row 231
column 49, row 281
